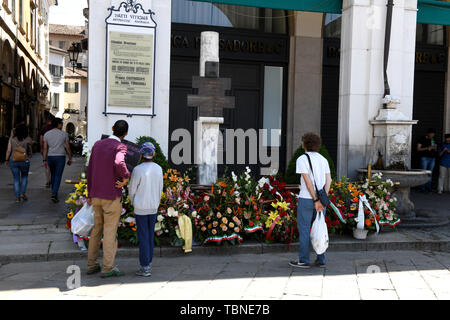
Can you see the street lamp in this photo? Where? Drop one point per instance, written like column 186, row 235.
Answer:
column 44, row 90
column 74, row 52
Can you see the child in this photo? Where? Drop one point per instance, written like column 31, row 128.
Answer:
column 145, row 189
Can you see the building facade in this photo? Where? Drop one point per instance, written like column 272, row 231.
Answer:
column 24, row 71
column 296, row 67
column 75, row 101
column 57, row 65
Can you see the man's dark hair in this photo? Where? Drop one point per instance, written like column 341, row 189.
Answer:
column 312, row 142
column 56, row 122
column 431, row 130
column 120, row 128
column 21, row 132
column 447, row 135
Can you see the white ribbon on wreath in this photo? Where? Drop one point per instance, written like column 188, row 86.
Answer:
column 364, row 202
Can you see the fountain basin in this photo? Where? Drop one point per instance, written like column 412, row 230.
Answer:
column 404, row 181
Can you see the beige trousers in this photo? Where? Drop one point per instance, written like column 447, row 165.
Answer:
column 444, row 179
column 106, row 221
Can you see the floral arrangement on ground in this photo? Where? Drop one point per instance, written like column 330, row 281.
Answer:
column 240, row 207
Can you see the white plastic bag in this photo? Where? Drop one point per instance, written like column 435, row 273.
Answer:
column 319, row 234
column 83, row 222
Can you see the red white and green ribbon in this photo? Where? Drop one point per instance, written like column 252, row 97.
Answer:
column 393, row 223
column 253, row 229
column 337, row 212
column 223, row 238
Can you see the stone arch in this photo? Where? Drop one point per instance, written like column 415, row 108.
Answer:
column 23, row 80
column 33, row 83
column 7, row 63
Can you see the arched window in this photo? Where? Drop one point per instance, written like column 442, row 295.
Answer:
column 231, row 16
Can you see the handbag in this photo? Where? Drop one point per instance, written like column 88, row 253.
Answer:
column 321, row 194
column 19, row 154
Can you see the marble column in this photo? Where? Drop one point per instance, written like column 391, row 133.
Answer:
column 361, row 74
column 207, row 128
column 207, row 149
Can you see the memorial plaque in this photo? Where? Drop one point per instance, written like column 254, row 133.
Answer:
column 130, row 60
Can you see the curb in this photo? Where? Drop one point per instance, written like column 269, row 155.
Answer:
column 249, row 248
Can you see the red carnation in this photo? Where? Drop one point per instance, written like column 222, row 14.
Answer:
column 250, row 223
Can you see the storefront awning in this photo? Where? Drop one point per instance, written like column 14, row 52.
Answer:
column 327, row 6
column 433, row 12
column 429, row 11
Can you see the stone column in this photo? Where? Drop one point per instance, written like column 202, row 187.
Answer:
column 304, row 109
column 208, row 127
column 361, row 74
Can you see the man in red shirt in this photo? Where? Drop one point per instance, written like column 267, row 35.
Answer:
column 107, row 174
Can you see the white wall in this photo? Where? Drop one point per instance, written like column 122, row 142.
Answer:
column 57, row 83
column 98, row 123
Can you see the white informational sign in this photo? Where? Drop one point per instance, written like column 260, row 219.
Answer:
column 130, row 60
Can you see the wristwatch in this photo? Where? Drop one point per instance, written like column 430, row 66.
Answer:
column 316, row 200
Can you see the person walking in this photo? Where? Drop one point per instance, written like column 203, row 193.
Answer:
column 145, row 189
column 444, row 168
column 47, row 127
column 19, row 153
column 427, row 150
column 107, row 174
column 56, row 145
column 308, row 203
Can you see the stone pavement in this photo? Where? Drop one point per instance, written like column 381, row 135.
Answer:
column 35, row 230
column 36, row 249
column 387, row 275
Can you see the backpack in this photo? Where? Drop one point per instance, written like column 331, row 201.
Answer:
column 19, row 153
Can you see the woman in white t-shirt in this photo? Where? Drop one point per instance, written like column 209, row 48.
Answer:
column 308, row 202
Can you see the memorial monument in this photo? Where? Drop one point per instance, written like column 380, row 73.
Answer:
column 210, row 100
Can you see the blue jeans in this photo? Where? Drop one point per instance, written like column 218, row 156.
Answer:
column 306, row 212
column 146, row 235
column 427, row 164
column 56, row 165
column 20, row 175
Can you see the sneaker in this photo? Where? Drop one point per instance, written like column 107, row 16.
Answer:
column 24, row 197
column 144, row 272
column 97, row 269
column 17, row 200
column 298, row 264
column 113, row 273
column 54, row 199
column 318, row 264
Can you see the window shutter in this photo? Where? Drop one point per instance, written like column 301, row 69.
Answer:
column 66, row 87
column 76, row 87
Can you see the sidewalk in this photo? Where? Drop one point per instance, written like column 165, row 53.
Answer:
column 35, row 230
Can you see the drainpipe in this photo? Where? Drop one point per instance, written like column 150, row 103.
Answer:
column 387, row 42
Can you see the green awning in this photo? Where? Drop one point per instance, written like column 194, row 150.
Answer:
column 433, row 12
column 429, row 11
column 327, row 6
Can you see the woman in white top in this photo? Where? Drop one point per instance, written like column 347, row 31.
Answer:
column 308, row 202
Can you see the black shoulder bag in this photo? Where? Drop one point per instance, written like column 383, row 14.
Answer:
column 321, row 194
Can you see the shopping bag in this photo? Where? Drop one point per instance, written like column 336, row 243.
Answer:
column 83, row 222
column 319, row 234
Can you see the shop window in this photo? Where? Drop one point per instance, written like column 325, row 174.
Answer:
column 231, row 16
column 430, row 34
column 332, row 25
column 273, row 106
